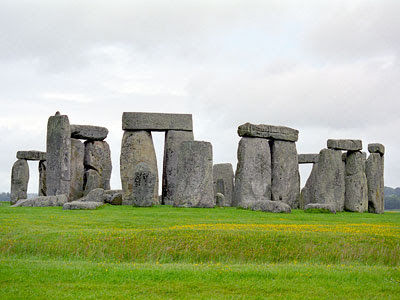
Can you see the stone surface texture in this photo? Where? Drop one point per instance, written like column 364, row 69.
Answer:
column 330, row 183
column 195, row 175
column 19, row 180
column 321, row 206
column 173, row 141
column 346, row 145
column 223, row 178
column 268, row 132
column 113, row 197
column 31, row 155
column 308, row 192
column 58, row 155
column 81, row 205
column 285, row 184
column 253, row 172
column 77, row 169
column 42, row 178
column 376, row 148
column 43, row 201
column 374, row 169
column 267, row 206
column 156, row 121
column 95, row 195
column 308, row 158
column 138, row 167
column 219, row 200
column 88, row 132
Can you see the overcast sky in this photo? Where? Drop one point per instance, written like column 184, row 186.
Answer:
column 330, row 69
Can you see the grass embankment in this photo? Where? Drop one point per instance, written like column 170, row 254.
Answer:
column 174, row 253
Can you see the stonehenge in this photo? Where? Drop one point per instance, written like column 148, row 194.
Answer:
column 223, row 177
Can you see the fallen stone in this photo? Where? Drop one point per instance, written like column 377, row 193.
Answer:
column 43, row 201
column 195, row 175
column 268, row 132
column 138, row 166
column 77, row 169
column 19, row 180
column 376, row 148
column 347, row 145
column 223, row 182
column 307, row 194
column 82, row 205
column 156, row 121
column 31, row 155
column 42, row 178
column 253, row 172
column 113, row 197
column 88, row 132
column 173, row 141
column 374, row 169
column 308, row 158
column 95, row 195
column 58, row 155
column 267, row 206
column 219, row 200
column 285, row 184
column 322, row 207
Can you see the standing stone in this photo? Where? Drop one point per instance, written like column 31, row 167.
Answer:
column 173, row 140
column 253, row 172
column 330, row 183
column 223, row 182
column 138, row 165
column 307, row 195
column 19, row 180
column 285, row 173
column 97, row 161
column 374, row 169
column 58, row 154
column 356, row 195
column 42, row 178
column 77, row 169
column 195, row 175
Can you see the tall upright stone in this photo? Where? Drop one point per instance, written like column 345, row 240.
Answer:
column 19, row 180
column 307, row 194
column 223, row 183
column 253, row 172
column 173, row 141
column 77, row 169
column 195, row 175
column 42, row 178
column 356, row 193
column 374, row 169
column 285, row 184
column 58, row 153
column 138, row 166
column 330, row 183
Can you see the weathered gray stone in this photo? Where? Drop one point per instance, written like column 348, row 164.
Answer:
column 308, row 192
column 253, row 172
column 88, row 132
column 356, row 197
column 320, row 206
column 195, row 176
column 114, row 197
column 77, row 169
column 156, row 121
column 308, row 158
column 219, row 200
column 355, row 163
column 347, row 145
column 82, row 205
column 31, row 155
column 285, row 184
column 267, row 206
column 330, row 183
column 375, row 178
column 58, row 155
column 173, row 140
column 223, row 182
column 97, row 158
column 42, row 178
column 138, row 165
column 43, row 201
column 268, row 132
column 95, row 195
column 376, row 148
column 19, row 180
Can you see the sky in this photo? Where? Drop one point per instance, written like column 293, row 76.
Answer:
column 330, row 69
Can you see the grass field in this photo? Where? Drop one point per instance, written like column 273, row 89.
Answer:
column 174, row 253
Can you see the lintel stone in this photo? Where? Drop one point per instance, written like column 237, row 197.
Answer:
column 376, row 148
column 268, row 132
column 156, row 121
column 346, row 145
column 31, row 155
column 308, row 158
column 88, row 132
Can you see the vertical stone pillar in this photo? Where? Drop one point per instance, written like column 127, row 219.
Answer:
column 285, row 184
column 223, row 183
column 195, row 175
column 253, row 172
column 19, row 180
column 356, row 195
column 173, row 140
column 77, row 169
column 374, row 169
column 42, row 178
column 138, row 167
column 58, row 151
column 307, row 195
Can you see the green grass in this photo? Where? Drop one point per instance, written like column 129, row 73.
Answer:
column 175, row 253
